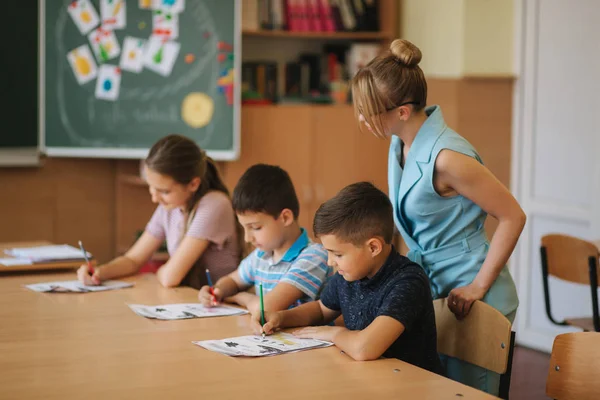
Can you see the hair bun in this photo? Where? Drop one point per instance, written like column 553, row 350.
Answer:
column 406, row 52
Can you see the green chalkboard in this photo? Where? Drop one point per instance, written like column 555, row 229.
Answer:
column 126, row 99
column 20, row 117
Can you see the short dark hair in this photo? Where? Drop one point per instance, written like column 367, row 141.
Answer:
column 358, row 212
column 267, row 189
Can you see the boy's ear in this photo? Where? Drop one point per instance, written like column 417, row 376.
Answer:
column 375, row 246
column 287, row 217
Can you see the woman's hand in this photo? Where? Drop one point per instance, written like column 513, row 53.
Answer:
column 462, row 298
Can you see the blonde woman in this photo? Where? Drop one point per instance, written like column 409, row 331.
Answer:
column 441, row 193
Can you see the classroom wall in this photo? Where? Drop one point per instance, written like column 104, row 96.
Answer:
column 467, row 48
column 437, row 28
column 461, row 38
column 66, row 200
column 63, row 201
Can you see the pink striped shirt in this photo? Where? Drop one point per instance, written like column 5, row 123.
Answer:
column 214, row 221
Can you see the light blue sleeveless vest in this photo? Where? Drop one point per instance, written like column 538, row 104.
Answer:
column 445, row 235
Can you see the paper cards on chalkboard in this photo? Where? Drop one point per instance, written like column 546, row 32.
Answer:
column 173, row 6
column 113, row 14
column 83, row 64
column 132, row 56
column 160, row 55
column 165, row 24
column 104, row 44
column 108, row 84
column 84, row 15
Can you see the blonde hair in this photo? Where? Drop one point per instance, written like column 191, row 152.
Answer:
column 390, row 80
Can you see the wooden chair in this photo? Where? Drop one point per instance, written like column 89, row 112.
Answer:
column 483, row 338
column 573, row 260
column 574, row 371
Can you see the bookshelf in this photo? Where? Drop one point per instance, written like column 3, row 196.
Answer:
column 317, row 35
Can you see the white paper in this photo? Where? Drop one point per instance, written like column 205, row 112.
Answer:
column 10, row 262
column 256, row 346
column 104, row 44
column 165, row 24
column 160, row 56
column 76, row 286
column 132, row 56
column 113, row 14
column 184, row 311
column 48, row 253
column 84, row 15
column 83, row 64
column 173, row 6
column 108, row 83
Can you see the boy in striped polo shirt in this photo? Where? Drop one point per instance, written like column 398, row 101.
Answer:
column 292, row 270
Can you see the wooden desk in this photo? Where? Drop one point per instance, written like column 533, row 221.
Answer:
column 69, row 264
column 57, row 346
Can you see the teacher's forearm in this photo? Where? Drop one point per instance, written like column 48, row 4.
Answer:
column 501, row 247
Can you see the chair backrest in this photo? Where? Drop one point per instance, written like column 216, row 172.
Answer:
column 567, row 257
column 574, row 371
column 482, row 338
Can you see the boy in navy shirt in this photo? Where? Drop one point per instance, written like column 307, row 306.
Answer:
column 385, row 298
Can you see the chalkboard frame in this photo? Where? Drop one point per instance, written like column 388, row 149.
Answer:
column 137, row 153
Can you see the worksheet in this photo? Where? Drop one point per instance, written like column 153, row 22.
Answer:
column 257, row 346
column 47, row 253
column 77, row 287
column 184, row 311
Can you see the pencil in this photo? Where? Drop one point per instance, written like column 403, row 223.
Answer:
column 210, row 285
column 208, row 278
column 262, row 308
column 87, row 260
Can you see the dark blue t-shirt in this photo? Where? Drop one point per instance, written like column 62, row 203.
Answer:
column 400, row 290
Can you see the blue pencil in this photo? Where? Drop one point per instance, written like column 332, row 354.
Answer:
column 210, row 287
column 208, row 278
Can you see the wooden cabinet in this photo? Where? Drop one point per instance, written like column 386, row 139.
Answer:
column 320, row 147
column 133, row 204
column 278, row 136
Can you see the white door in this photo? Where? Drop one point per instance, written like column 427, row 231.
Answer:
column 556, row 151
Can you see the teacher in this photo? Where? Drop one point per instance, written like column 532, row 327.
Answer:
column 441, row 193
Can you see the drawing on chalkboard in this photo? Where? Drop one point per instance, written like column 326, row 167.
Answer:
column 160, row 55
column 132, row 56
column 165, row 24
column 113, row 14
column 130, row 109
column 109, row 82
column 189, row 58
column 225, row 84
column 104, row 44
column 197, row 109
column 84, row 15
column 83, row 64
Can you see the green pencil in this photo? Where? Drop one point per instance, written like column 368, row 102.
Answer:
column 262, row 308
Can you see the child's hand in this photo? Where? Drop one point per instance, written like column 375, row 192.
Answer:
column 85, row 276
column 208, row 299
column 272, row 323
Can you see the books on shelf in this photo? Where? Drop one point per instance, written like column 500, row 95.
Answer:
column 311, row 15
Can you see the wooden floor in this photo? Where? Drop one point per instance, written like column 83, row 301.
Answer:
column 530, row 369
